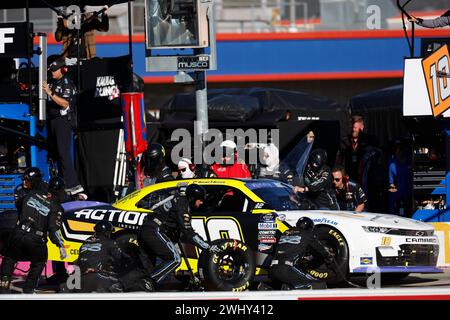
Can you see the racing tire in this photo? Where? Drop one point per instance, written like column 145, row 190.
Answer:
column 232, row 269
column 335, row 243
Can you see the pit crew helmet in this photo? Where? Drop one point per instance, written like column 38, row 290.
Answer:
column 34, row 176
column 104, row 227
column 305, row 223
column 56, row 185
column 195, row 192
column 154, row 159
column 318, row 158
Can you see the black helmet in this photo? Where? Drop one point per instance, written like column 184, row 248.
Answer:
column 195, row 192
column 104, row 227
column 56, row 184
column 305, row 223
column 153, row 158
column 34, row 175
column 318, row 158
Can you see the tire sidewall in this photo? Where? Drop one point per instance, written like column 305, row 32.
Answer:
column 333, row 238
column 208, row 265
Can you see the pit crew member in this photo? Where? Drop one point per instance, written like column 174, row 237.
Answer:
column 99, row 260
column 38, row 218
column 349, row 194
column 230, row 167
column 317, row 180
column 159, row 234
column 293, row 246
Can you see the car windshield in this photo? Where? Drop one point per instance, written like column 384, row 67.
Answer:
column 279, row 196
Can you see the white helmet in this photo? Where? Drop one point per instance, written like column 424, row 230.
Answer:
column 228, row 144
column 186, row 168
column 271, row 157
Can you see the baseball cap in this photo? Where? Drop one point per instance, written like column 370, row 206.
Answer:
column 57, row 64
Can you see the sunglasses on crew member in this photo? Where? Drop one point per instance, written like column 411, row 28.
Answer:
column 182, row 169
column 337, row 179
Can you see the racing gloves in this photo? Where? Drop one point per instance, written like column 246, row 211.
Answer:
column 62, row 253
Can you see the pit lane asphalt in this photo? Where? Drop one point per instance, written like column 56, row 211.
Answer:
column 414, row 281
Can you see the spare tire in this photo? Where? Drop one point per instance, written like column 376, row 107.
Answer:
column 232, row 269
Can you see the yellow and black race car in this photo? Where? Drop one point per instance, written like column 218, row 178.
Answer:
column 244, row 217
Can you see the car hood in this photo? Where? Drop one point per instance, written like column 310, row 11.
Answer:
column 362, row 218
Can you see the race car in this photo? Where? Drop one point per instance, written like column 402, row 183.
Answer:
column 248, row 215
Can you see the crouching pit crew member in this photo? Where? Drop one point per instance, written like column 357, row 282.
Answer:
column 293, row 246
column 39, row 217
column 159, row 234
column 99, row 260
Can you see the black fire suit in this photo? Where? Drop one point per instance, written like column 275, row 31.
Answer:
column 292, row 247
column 319, row 189
column 163, row 175
column 20, row 192
column 158, row 236
column 28, row 241
column 99, row 260
column 60, row 128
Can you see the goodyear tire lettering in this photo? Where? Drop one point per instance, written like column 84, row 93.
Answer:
column 215, row 269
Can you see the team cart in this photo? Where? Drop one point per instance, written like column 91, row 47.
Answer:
column 244, row 217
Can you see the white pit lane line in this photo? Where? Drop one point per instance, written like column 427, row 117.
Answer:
column 328, row 294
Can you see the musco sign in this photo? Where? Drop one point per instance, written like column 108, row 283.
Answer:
column 193, row 63
column 13, row 40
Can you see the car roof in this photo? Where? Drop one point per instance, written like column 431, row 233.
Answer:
column 127, row 202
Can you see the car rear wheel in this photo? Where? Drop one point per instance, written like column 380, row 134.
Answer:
column 336, row 244
column 232, row 269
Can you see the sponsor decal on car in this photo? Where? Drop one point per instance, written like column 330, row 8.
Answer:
column 119, row 216
column 325, row 220
column 267, row 232
column 263, row 239
column 267, row 226
column 364, row 261
column 268, row 218
column 264, row 247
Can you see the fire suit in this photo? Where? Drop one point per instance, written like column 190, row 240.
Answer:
column 38, row 219
column 235, row 170
column 292, row 247
column 319, row 190
column 99, row 262
column 158, row 236
column 163, row 175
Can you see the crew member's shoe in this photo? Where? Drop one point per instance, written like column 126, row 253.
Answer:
column 57, row 279
column 5, row 283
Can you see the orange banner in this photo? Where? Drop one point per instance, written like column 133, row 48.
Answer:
column 436, row 69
